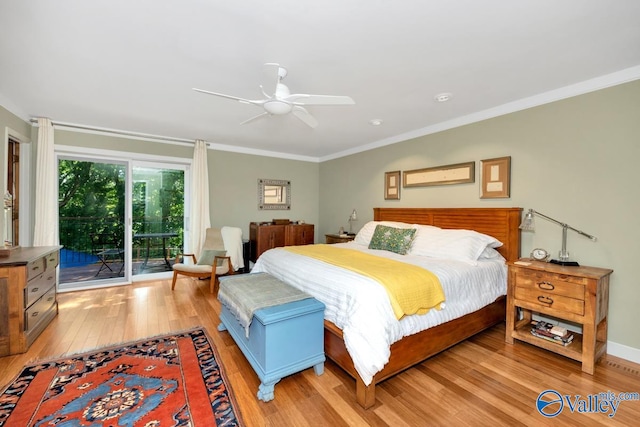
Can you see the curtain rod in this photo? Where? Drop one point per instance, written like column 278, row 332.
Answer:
column 117, row 132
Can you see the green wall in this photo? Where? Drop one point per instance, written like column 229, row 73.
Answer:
column 234, row 189
column 574, row 160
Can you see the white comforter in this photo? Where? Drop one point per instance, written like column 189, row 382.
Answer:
column 360, row 306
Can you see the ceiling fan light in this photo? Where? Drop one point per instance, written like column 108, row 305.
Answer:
column 277, row 107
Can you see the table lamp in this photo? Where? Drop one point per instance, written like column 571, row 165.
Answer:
column 528, row 224
column 352, row 217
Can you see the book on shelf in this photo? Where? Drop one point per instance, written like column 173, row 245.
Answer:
column 556, row 340
column 558, row 330
column 545, row 330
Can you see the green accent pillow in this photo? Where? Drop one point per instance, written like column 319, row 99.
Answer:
column 207, row 256
column 392, row 239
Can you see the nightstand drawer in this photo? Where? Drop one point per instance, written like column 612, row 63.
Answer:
column 549, row 300
column 538, row 274
column 554, row 284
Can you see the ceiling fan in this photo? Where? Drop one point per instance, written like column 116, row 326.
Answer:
column 283, row 102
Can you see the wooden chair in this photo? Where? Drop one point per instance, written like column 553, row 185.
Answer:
column 213, row 262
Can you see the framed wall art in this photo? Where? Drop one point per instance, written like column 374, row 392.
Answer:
column 392, row 185
column 495, row 178
column 458, row 173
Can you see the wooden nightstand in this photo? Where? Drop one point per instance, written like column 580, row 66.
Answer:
column 574, row 294
column 336, row 238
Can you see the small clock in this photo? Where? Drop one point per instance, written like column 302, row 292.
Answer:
column 540, row 254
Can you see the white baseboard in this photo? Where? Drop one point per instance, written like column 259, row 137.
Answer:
column 623, row 351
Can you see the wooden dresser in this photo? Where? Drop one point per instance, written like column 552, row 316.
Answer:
column 27, row 296
column 269, row 236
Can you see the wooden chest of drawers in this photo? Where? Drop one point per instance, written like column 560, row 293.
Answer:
column 27, row 296
column 575, row 294
column 265, row 237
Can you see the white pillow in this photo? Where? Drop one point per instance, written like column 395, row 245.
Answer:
column 464, row 245
column 366, row 232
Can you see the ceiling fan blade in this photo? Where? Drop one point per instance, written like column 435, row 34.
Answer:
column 235, row 98
column 304, row 115
column 254, row 118
column 305, row 99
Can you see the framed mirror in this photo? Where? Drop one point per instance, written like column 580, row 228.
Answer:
column 274, row 194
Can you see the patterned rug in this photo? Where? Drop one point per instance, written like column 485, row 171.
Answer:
column 170, row 380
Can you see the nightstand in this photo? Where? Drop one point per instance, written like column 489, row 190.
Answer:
column 574, row 294
column 337, row 238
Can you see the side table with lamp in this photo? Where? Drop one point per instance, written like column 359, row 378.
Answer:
column 562, row 290
column 341, row 236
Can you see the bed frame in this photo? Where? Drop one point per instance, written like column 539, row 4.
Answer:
column 501, row 223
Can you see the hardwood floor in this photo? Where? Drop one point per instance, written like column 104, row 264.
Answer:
column 482, row 381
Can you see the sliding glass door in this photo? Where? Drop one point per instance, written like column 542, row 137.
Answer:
column 118, row 219
column 158, row 216
column 91, row 211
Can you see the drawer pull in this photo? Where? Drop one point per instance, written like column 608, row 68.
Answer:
column 545, row 300
column 547, row 286
column 34, row 289
column 35, row 268
column 35, row 314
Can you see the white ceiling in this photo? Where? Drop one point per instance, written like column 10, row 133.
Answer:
column 130, row 65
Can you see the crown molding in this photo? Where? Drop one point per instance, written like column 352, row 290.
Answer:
column 592, row 85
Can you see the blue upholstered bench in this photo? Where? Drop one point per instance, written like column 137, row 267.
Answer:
column 282, row 339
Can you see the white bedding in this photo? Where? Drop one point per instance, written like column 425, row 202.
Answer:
column 360, row 306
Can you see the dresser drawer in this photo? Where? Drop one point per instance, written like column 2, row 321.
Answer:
column 549, row 300
column 52, row 260
column 39, row 309
column 35, row 268
column 555, row 284
column 38, row 286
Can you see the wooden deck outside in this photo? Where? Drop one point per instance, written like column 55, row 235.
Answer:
column 92, row 271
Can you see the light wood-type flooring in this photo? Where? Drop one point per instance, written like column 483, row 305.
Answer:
column 482, row 381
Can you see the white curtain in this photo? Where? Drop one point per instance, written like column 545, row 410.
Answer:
column 45, row 231
column 200, row 219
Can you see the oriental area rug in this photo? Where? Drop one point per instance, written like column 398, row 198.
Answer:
column 170, row 380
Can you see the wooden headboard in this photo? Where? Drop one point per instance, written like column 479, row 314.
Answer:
column 501, row 223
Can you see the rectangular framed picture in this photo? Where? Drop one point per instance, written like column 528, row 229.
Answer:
column 495, row 178
column 450, row 174
column 392, row 185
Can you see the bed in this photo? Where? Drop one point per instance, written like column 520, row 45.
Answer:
column 404, row 348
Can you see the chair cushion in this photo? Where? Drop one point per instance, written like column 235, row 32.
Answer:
column 207, row 256
column 200, row 269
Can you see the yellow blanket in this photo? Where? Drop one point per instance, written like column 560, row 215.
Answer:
column 411, row 289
